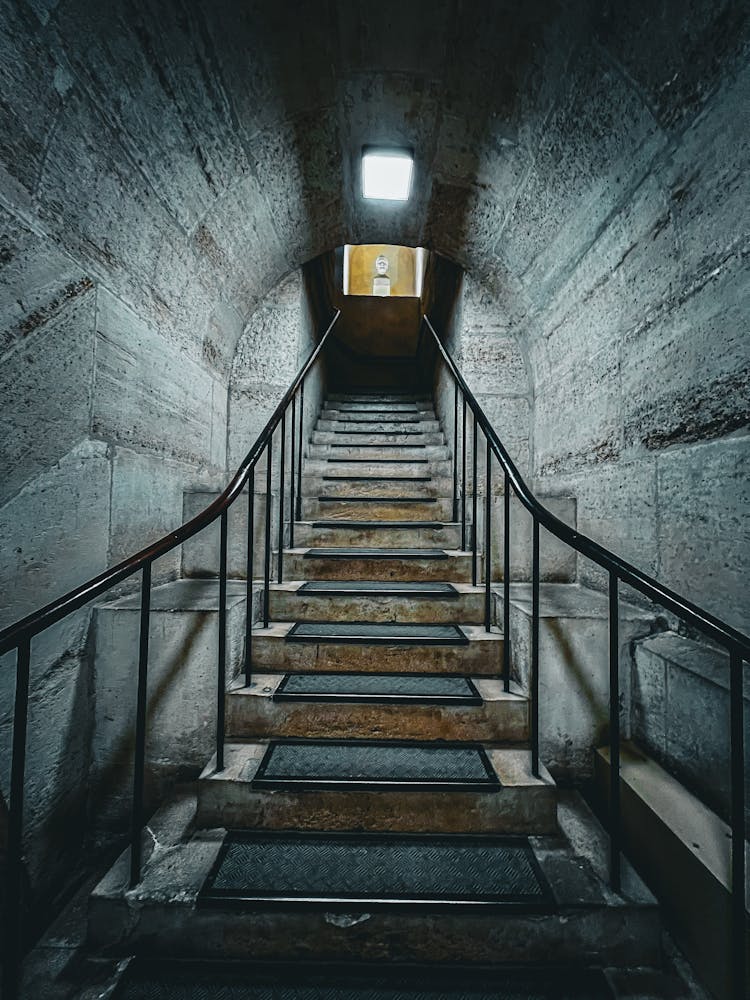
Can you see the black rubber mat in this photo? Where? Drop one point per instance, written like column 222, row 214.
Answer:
column 376, row 633
column 328, row 588
column 380, row 420
column 436, row 525
column 327, row 499
column 360, row 553
column 372, row 444
column 378, row 479
column 377, row 870
column 377, row 407
column 401, row 433
column 387, row 689
column 374, row 765
column 377, row 461
column 163, row 980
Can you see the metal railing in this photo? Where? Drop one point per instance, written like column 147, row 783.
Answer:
column 736, row 644
column 19, row 636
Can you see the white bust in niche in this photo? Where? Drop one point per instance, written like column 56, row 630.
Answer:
column 381, row 283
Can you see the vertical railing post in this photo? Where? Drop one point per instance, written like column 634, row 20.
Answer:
column 737, row 752
column 455, row 450
column 506, row 585
column 282, row 463
column 534, row 678
column 222, row 657
column 249, row 576
column 463, row 475
column 292, row 466
column 267, row 556
column 139, row 763
column 614, row 735
column 14, row 922
column 301, row 448
column 488, row 541
column 474, row 539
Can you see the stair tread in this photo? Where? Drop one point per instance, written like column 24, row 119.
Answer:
column 182, row 980
column 385, row 869
column 374, row 764
column 370, row 499
column 377, row 633
column 380, row 688
column 374, row 553
column 391, row 588
column 383, row 524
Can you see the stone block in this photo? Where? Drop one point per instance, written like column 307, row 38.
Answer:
column 181, row 713
column 573, row 669
column 677, row 680
column 703, row 531
column 148, row 396
column 557, row 561
column 201, row 553
column 45, row 386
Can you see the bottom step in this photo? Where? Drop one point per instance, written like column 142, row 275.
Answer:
column 373, row 871
column 323, row 981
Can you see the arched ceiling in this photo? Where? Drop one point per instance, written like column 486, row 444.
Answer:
column 198, row 151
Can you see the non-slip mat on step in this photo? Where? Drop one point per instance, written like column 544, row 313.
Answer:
column 377, row 633
column 376, row 461
column 387, row 689
column 392, row 500
column 378, row 479
column 340, row 765
column 399, row 433
column 377, row 870
column 164, row 980
column 355, row 588
column 374, row 553
column 435, row 525
column 376, row 444
column 380, row 420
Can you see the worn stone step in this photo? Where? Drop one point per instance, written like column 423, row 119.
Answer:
column 491, row 790
column 377, row 564
column 191, row 980
column 367, row 426
column 376, row 601
column 395, row 534
column 585, row 918
column 381, row 469
column 404, row 508
column 347, row 707
column 392, row 454
column 386, row 485
column 380, row 406
column 367, row 438
column 373, row 417
column 480, row 656
column 377, row 397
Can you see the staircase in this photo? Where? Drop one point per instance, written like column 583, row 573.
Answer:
column 376, row 830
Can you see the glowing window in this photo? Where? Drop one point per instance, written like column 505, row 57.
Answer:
column 387, row 174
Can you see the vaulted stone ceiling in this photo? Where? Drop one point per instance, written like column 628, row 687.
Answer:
column 201, row 150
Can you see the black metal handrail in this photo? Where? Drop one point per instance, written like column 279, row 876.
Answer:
column 19, row 635
column 736, row 643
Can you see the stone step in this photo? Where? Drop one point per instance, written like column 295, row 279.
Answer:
column 367, row 438
column 376, row 786
column 376, row 397
column 367, row 426
column 386, row 485
column 381, row 534
column 364, row 981
column 379, row 406
column 391, row 454
column 276, row 651
column 373, row 417
column 376, row 601
column 373, row 508
column 381, row 469
column 370, row 706
column 617, row 930
column 377, row 564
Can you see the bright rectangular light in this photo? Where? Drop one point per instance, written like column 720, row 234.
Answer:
column 386, row 174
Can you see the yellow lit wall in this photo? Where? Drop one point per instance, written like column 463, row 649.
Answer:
column 360, row 267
